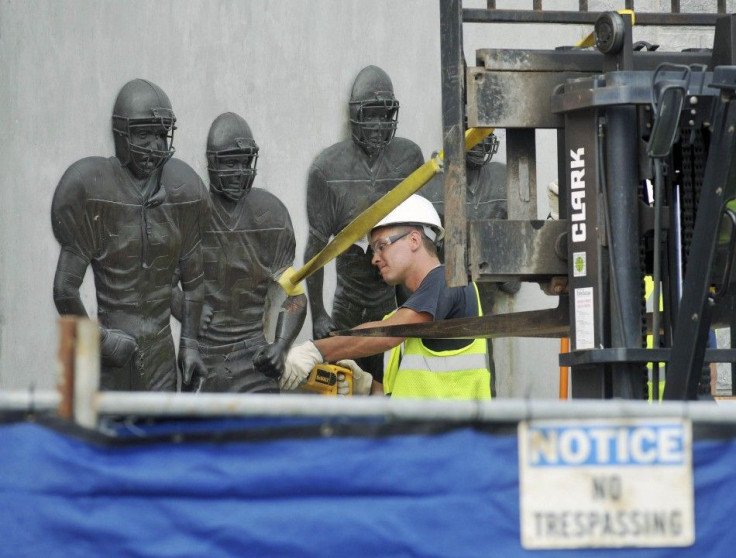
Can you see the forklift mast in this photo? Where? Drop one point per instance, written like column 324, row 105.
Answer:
column 645, row 144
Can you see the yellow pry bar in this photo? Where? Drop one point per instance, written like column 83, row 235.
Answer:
column 363, row 223
column 589, row 40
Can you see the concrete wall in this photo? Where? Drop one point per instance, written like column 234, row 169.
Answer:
column 286, row 66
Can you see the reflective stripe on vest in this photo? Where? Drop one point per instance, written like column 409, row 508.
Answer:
column 422, row 373
column 439, row 364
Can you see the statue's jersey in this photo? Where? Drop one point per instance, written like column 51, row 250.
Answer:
column 485, row 194
column 342, row 184
column 134, row 237
column 244, row 252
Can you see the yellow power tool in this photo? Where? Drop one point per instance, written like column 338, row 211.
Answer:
column 323, row 379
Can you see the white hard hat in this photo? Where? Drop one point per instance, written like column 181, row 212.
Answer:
column 415, row 210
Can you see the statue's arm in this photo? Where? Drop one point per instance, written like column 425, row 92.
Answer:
column 70, row 270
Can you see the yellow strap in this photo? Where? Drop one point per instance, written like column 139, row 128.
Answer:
column 589, row 41
column 363, row 223
column 290, row 288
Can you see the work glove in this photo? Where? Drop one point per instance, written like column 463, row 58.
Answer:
column 116, row 347
column 299, row 363
column 269, row 359
column 322, row 325
column 190, row 363
column 362, row 380
column 553, row 196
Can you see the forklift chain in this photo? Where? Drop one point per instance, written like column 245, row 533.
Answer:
column 687, row 205
column 693, row 169
column 643, row 301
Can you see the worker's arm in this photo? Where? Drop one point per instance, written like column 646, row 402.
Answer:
column 339, row 348
column 302, row 358
column 366, row 346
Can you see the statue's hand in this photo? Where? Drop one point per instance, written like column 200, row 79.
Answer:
column 206, row 318
column 117, row 348
column 269, row 360
column 322, row 325
column 190, row 363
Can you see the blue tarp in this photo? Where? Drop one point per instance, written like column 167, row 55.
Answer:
column 415, row 491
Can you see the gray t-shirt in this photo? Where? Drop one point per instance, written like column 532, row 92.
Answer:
column 443, row 303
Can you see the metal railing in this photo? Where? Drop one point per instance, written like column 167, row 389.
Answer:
column 200, row 405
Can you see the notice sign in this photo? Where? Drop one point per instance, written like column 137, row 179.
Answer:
column 606, row 483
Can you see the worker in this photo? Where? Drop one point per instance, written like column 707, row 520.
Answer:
column 135, row 218
column 485, row 198
column 247, row 245
column 344, row 180
column 404, row 252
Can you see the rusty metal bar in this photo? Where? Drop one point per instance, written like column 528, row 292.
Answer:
column 675, row 6
column 453, row 83
column 550, row 322
column 583, row 5
column 491, row 4
column 537, row 5
column 65, row 386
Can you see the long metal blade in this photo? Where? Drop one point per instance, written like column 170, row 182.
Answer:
column 554, row 322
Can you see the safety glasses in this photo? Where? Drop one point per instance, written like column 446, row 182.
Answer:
column 380, row 245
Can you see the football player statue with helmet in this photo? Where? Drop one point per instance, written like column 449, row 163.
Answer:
column 247, row 245
column 344, row 180
column 135, row 218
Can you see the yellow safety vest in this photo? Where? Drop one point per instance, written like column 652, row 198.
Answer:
column 648, row 291
column 423, row 373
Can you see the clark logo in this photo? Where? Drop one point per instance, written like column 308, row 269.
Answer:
column 577, row 194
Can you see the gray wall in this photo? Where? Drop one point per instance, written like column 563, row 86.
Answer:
column 286, row 66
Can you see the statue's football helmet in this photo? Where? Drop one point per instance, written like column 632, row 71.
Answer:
column 483, row 151
column 143, row 125
column 232, row 155
column 374, row 111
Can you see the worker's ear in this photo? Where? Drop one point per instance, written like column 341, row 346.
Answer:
column 416, row 240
